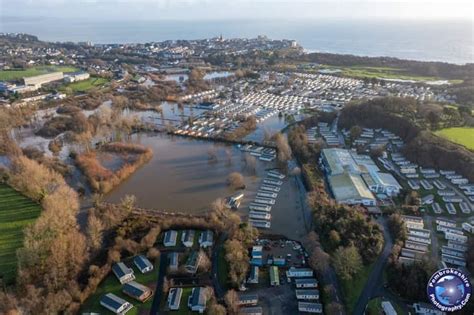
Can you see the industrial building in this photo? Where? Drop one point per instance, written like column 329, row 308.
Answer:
column 39, row 80
column 353, row 178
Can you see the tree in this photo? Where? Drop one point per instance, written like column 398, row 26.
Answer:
column 215, row 309
column 284, row 150
column 334, row 308
column 231, row 299
column 334, row 238
column 235, row 180
column 238, row 260
column 347, row 262
column 95, row 228
column 251, row 163
column 355, row 132
column 397, row 227
column 319, row 260
column 153, row 253
column 205, row 263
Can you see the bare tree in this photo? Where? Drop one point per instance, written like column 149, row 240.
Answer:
column 250, row 164
column 231, row 299
column 235, row 180
column 284, row 150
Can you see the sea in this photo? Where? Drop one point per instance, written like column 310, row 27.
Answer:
column 438, row 40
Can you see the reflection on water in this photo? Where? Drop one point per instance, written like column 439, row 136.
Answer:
column 181, row 176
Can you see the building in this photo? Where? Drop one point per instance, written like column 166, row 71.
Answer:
column 188, row 238
column 173, row 261
column 206, row 239
column 137, row 291
column 256, row 310
column 115, row 304
column 307, row 294
column 254, row 272
column 192, row 263
column 76, row 76
column 198, row 299
column 350, row 189
column 388, row 308
column 39, row 80
column 306, row 283
column 143, row 264
column 257, row 256
column 123, row 273
column 294, row 272
column 339, row 161
column 174, row 298
column 274, row 276
column 169, row 239
column 308, row 307
column 248, row 299
column 382, row 183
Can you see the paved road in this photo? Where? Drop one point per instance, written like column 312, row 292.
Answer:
column 374, row 285
column 155, row 307
column 218, row 290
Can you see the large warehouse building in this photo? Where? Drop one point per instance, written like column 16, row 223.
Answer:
column 39, row 80
column 353, row 178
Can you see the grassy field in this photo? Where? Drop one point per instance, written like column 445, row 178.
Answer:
column 462, row 136
column 112, row 285
column 86, row 85
column 16, row 212
column 381, row 72
column 353, row 288
column 9, row 75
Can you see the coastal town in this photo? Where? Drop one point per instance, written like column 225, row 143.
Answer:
column 227, row 176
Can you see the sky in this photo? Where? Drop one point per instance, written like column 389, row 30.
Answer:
column 238, row 9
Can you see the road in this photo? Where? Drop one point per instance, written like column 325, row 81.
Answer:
column 155, row 307
column 375, row 284
column 218, row 290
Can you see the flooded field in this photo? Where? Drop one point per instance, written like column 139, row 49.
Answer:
column 181, row 177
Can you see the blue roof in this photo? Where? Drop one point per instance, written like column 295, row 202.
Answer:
column 256, row 261
column 120, row 269
column 197, row 297
column 142, row 262
column 134, row 289
column 169, row 235
column 112, row 300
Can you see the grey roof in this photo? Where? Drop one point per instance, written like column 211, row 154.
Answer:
column 198, row 297
column 120, row 269
column 113, row 301
column 134, row 289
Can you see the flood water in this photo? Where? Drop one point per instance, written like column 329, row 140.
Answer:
column 181, row 178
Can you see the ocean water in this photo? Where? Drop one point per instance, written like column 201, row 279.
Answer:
column 448, row 41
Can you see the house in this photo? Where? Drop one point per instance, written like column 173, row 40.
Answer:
column 115, row 304
column 174, row 298
column 306, row 283
column 308, row 307
column 307, row 294
column 198, row 299
column 192, row 263
column 388, row 308
column 137, row 291
column 169, row 239
column 173, row 261
column 188, row 238
column 206, row 239
column 274, row 276
column 248, row 299
column 253, row 278
column 123, row 273
column 299, row 272
column 256, row 310
column 143, row 264
column 427, row 200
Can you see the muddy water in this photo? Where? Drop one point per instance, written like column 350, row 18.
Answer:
column 181, row 177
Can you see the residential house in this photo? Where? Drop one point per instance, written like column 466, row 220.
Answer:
column 187, row 238
column 137, row 291
column 198, row 299
column 169, row 239
column 174, row 298
column 206, row 239
column 115, row 304
column 143, row 264
column 123, row 273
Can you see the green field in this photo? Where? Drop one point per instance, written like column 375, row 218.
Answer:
column 84, row 86
column 15, row 74
column 112, row 285
column 352, row 289
column 382, row 72
column 462, row 136
column 16, row 212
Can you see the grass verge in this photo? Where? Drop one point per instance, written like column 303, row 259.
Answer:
column 462, row 136
column 353, row 288
column 16, row 212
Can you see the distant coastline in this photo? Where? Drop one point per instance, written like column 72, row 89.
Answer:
column 423, row 41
